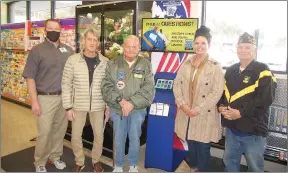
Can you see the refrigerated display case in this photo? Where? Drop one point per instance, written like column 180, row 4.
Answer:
column 113, row 21
column 277, row 124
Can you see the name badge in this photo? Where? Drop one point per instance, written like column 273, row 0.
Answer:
column 139, row 76
column 138, row 71
column 63, row 49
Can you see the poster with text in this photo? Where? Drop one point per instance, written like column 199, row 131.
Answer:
column 168, row 35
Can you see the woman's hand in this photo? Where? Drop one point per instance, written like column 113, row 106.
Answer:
column 186, row 109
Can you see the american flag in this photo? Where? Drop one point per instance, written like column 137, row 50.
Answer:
column 169, row 62
column 159, row 9
column 164, row 61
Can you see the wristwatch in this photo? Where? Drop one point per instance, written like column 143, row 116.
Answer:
column 119, row 98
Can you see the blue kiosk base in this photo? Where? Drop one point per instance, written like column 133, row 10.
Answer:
column 160, row 152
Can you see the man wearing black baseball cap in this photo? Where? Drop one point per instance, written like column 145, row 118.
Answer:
column 249, row 91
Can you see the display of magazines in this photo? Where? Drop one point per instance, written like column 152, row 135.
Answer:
column 13, row 54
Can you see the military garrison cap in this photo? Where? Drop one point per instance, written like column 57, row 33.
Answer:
column 246, row 38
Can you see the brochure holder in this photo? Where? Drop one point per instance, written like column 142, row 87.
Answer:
column 164, row 150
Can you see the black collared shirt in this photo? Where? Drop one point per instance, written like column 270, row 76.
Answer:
column 45, row 64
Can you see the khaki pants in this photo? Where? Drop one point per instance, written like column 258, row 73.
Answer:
column 96, row 120
column 52, row 126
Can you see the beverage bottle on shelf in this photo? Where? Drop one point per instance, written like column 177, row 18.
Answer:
column 284, row 121
column 272, row 117
column 281, row 155
column 278, row 120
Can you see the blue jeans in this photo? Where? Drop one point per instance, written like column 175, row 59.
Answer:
column 252, row 146
column 199, row 155
column 132, row 125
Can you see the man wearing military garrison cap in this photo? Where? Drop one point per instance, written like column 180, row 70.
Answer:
column 248, row 93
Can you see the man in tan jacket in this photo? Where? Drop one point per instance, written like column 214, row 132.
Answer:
column 81, row 82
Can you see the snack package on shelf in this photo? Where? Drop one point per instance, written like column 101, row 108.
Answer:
column 12, row 38
column 33, row 41
column 5, row 71
column 68, row 36
column 37, row 36
column 13, row 84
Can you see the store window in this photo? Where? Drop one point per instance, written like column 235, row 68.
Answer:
column 227, row 20
column 66, row 9
column 4, row 12
column 272, row 37
column 17, row 12
column 40, row 10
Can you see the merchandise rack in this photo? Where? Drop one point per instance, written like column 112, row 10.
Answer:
column 13, row 58
column 16, row 42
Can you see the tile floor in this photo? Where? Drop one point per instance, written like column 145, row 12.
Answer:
column 18, row 126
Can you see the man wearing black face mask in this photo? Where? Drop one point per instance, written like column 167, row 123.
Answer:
column 43, row 73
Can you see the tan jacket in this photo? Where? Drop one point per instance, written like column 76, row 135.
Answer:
column 76, row 92
column 209, row 86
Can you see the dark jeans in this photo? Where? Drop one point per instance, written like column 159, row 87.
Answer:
column 199, row 155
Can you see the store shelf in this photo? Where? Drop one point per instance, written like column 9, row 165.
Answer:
column 16, row 99
column 10, row 49
column 278, row 134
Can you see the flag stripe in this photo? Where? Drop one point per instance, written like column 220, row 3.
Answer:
column 166, row 62
column 171, row 59
column 175, row 67
column 174, row 63
column 184, row 59
column 163, row 58
column 187, row 5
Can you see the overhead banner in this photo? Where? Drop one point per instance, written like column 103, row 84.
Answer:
column 168, row 35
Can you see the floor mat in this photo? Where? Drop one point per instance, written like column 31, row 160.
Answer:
column 22, row 161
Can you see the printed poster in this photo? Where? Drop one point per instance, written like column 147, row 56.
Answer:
column 168, row 35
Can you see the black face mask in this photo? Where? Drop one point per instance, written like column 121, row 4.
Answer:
column 53, row 35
